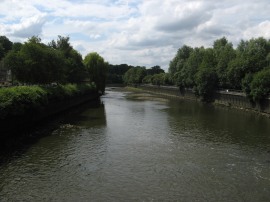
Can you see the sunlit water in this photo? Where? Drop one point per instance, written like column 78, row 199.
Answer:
column 146, row 150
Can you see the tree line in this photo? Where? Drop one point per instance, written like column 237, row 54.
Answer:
column 34, row 62
column 246, row 68
column 154, row 75
column 205, row 70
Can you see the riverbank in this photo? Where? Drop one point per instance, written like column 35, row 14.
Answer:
column 23, row 107
column 234, row 100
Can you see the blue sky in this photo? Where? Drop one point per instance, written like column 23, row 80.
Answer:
column 136, row 32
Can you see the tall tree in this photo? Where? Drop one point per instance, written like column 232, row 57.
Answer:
column 36, row 63
column 178, row 62
column 224, row 53
column 97, row 69
column 6, row 44
column 74, row 68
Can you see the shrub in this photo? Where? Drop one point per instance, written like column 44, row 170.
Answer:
column 260, row 85
column 16, row 101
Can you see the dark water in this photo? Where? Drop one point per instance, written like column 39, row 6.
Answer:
column 146, row 150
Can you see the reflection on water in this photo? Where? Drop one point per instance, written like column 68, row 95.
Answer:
column 145, row 150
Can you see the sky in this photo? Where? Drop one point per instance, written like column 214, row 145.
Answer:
column 135, row 32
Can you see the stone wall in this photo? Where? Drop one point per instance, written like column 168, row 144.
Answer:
column 228, row 98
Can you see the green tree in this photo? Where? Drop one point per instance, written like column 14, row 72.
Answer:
column 158, row 79
column 116, row 73
column 186, row 77
column 246, row 82
column 206, row 83
column 154, row 70
column 147, row 79
column 135, row 75
column 178, row 62
column 224, row 53
column 17, row 46
column 235, row 72
column 74, row 70
column 260, row 85
column 36, row 63
column 2, row 52
column 6, row 44
column 97, row 69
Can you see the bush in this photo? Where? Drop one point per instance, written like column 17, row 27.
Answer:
column 16, row 101
column 260, row 85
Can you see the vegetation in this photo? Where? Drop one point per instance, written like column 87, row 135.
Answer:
column 116, row 73
column 97, row 69
column 154, row 75
column 19, row 100
column 58, row 62
column 53, row 72
column 135, row 75
column 206, row 70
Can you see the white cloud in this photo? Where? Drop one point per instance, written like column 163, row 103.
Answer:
column 137, row 32
column 260, row 30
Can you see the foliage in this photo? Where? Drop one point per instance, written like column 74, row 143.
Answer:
column 5, row 46
column 97, row 69
column 135, row 75
column 246, row 81
column 116, row 73
column 260, row 85
column 158, row 79
column 227, row 67
column 147, row 79
column 36, row 63
column 180, row 58
column 74, row 70
column 154, row 70
column 206, row 83
column 16, row 101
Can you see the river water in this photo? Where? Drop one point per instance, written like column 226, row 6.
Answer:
column 135, row 147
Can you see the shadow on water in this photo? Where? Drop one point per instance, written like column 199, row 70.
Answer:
column 220, row 124
column 85, row 115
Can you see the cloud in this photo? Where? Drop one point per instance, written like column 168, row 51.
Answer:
column 261, row 29
column 137, row 32
column 29, row 27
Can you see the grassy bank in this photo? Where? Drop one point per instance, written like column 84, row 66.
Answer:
column 20, row 100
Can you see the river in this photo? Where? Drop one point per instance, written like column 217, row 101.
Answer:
column 136, row 147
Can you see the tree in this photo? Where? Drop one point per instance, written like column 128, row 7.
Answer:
column 2, row 52
column 154, row 70
column 260, row 85
column 235, row 72
column 206, row 83
column 17, row 46
column 178, row 62
column 186, row 77
column 116, row 73
column 158, row 79
column 97, row 69
column 224, row 53
column 135, row 75
column 147, row 79
column 62, row 44
column 6, row 44
column 74, row 70
column 36, row 63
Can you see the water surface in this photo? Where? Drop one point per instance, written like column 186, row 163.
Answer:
column 138, row 148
